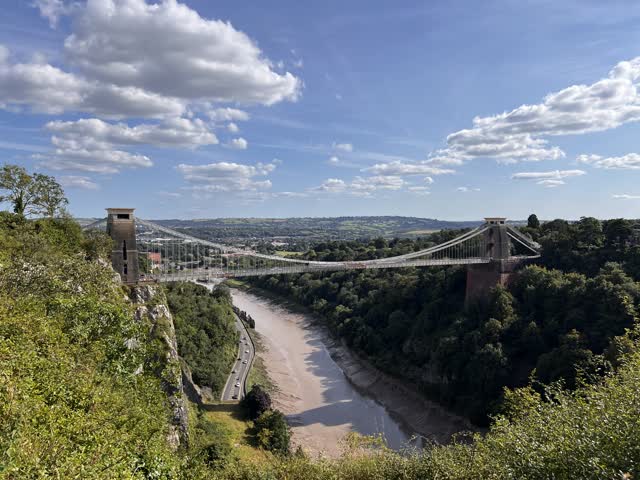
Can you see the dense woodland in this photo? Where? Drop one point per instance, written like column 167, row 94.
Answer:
column 559, row 320
column 205, row 330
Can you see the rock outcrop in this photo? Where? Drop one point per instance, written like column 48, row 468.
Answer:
column 151, row 308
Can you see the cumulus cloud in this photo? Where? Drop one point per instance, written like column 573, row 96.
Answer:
column 53, row 10
column 343, row 147
column 233, row 128
column 174, row 132
column 548, row 179
column 226, row 176
column 405, row 168
column 238, row 143
column 360, row 186
column 220, row 115
column 333, row 160
column 71, row 155
column 519, row 134
column 76, row 181
column 169, row 49
column 42, row 88
column 630, row 161
column 626, row 196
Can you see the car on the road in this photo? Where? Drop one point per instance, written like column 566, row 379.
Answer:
column 238, row 384
column 235, row 397
column 246, row 351
column 233, row 371
column 244, row 361
column 239, row 358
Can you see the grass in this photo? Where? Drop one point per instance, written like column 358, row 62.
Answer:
column 258, row 374
column 229, row 418
column 285, row 253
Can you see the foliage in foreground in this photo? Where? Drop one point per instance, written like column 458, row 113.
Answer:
column 591, row 434
column 73, row 400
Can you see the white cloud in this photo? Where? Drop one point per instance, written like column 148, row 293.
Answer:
column 238, row 143
column 549, row 183
column 174, row 132
column 43, row 88
column 226, row 176
column 630, row 161
column 549, row 179
column 69, row 155
column 467, row 189
column 626, row 196
column 518, row 135
column 333, row 160
column 233, row 128
column 220, row 115
column 332, row 185
column 555, row 174
column 428, row 180
column 360, row 186
column 169, row 49
column 75, row 181
column 343, row 147
column 404, row 168
column 52, row 10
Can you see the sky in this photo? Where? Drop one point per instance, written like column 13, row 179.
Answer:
column 452, row 109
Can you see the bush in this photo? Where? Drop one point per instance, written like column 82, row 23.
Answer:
column 256, row 402
column 272, row 432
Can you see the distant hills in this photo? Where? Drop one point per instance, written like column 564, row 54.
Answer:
column 322, row 228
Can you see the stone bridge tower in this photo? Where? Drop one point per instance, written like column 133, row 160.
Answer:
column 482, row 278
column 121, row 227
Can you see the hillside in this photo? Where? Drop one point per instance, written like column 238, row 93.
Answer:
column 312, row 229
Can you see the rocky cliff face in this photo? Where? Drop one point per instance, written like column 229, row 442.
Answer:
column 151, row 309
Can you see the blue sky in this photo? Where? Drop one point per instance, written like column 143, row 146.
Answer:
column 447, row 109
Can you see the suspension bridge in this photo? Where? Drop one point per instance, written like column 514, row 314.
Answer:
column 148, row 252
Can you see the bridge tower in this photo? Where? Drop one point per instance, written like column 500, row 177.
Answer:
column 121, row 227
column 482, row 278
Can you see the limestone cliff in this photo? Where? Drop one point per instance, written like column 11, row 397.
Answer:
column 151, row 308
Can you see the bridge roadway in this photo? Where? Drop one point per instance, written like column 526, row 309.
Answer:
column 235, row 386
column 213, row 273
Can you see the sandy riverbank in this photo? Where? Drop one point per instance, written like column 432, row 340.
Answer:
column 326, row 392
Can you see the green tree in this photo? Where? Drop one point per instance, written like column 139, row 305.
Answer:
column 256, row 402
column 272, row 431
column 533, row 222
column 36, row 194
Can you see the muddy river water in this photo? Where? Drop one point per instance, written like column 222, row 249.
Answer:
column 321, row 405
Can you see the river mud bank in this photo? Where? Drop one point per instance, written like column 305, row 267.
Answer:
column 326, row 392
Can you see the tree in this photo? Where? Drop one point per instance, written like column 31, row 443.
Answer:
column 533, row 222
column 49, row 195
column 256, row 402
column 36, row 194
column 272, row 431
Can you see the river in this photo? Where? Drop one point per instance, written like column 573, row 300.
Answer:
column 321, row 405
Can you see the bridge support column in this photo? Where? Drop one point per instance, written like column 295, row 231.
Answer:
column 483, row 277
column 121, row 227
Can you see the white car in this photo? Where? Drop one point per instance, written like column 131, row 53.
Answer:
column 244, row 361
column 238, row 384
column 246, row 351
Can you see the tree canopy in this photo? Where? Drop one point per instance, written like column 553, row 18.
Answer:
column 35, row 194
